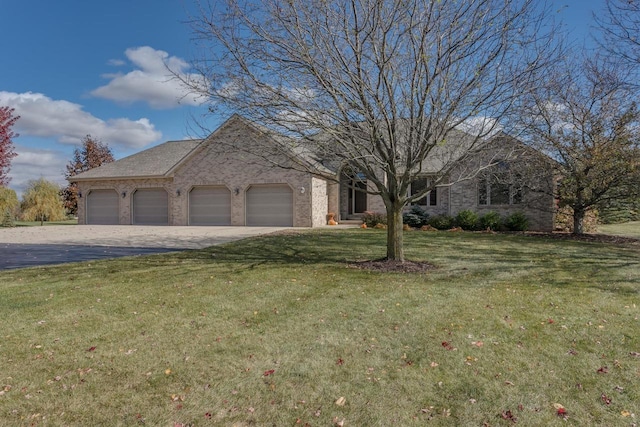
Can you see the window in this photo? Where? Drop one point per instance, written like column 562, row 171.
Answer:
column 418, row 186
column 500, row 189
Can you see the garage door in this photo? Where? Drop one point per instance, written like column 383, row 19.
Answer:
column 270, row 205
column 151, row 206
column 102, row 207
column 210, row 206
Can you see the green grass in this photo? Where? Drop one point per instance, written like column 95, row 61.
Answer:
column 37, row 223
column 274, row 330
column 627, row 229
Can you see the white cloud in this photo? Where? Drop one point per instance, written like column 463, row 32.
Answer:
column 116, row 62
column 32, row 164
column 151, row 81
column 481, row 126
column 68, row 123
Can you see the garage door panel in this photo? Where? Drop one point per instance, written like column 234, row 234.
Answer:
column 270, row 206
column 151, row 206
column 102, row 207
column 209, row 206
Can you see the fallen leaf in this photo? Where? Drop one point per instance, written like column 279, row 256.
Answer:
column 340, row 362
column 603, row 370
column 341, row 401
column 167, row 372
column 477, row 343
column 605, row 399
column 91, row 349
column 269, row 372
column 507, row 415
column 433, row 364
column 447, row 345
column 625, row 413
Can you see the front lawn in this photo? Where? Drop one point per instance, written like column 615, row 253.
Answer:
column 281, row 331
column 627, row 229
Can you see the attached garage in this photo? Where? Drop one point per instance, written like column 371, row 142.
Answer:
column 102, row 207
column 151, row 206
column 210, row 206
column 269, row 205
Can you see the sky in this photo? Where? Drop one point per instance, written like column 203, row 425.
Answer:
column 76, row 67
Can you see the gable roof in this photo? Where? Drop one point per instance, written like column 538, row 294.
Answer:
column 155, row 162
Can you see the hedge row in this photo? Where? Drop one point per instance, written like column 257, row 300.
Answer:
column 467, row 220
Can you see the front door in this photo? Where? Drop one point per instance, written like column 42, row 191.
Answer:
column 357, row 196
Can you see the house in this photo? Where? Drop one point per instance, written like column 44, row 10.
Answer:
column 203, row 182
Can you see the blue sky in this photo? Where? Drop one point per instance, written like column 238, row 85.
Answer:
column 77, row 67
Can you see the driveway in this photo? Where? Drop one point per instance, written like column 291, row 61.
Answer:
column 33, row 246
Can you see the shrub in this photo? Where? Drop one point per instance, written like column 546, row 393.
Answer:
column 441, row 222
column 416, row 217
column 490, row 220
column 516, row 222
column 467, row 220
column 7, row 219
column 374, row 218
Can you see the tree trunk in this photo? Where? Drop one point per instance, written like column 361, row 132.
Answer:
column 395, row 250
column 578, row 221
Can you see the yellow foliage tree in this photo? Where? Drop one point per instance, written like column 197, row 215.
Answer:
column 8, row 205
column 42, row 202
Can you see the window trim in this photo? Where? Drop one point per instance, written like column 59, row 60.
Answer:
column 429, row 197
column 489, row 183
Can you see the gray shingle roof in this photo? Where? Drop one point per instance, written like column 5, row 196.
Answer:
column 156, row 161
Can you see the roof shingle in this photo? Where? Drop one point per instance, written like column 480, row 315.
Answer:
column 157, row 161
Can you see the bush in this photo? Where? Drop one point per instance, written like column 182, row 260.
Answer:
column 7, row 219
column 441, row 222
column 416, row 217
column 490, row 220
column 374, row 218
column 516, row 222
column 467, row 220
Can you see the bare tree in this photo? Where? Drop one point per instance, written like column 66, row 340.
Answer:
column 587, row 120
column 620, row 26
column 379, row 87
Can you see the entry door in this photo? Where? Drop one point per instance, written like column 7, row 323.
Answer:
column 357, row 196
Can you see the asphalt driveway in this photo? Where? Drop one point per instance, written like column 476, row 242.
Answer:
column 34, row 246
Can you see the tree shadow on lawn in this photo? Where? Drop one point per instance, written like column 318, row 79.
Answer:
column 554, row 262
